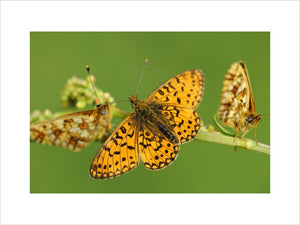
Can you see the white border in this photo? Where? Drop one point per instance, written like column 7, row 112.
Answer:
column 20, row 207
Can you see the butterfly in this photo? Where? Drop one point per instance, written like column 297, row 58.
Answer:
column 237, row 108
column 155, row 130
column 73, row 131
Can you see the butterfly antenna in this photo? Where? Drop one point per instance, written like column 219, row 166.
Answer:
column 92, row 83
column 265, row 114
column 119, row 101
column 141, row 77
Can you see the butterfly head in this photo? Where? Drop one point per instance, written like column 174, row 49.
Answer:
column 103, row 109
column 253, row 119
column 139, row 106
column 134, row 101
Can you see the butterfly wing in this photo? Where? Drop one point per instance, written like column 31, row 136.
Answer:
column 174, row 102
column 250, row 100
column 155, row 149
column 73, row 131
column 184, row 123
column 236, row 93
column 184, row 90
column 119, row 154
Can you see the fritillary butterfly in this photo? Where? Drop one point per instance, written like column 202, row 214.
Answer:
column 237, row 108
column 155, row 130
column 73, row 131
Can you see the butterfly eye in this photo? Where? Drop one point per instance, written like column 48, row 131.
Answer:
column 102, row 112
column 250, row 119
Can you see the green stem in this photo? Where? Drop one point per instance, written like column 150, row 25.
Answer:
column 216, row 137
column 119, row 113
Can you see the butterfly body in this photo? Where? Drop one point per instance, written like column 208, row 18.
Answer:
column 237, row 108
column 155, row 130
column 73, row 131
column 146, row 114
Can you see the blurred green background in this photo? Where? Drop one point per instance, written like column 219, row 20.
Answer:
column 116, row 59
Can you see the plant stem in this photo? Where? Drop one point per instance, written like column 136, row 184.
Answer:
column 119, row 113
column 216, row 137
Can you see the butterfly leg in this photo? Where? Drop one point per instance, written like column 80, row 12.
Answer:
column 246, row 133
column 254, row 134
column 231, row 124
column 108, row 129
column 235, row 148
column 238, row 129
column 237, row 133
column 101, row 134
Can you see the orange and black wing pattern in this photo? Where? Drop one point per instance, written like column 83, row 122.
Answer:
column 156, row 128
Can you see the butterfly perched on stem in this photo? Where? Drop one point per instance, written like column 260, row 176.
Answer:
column 155, row 130
column 76, row 130
column 73, row 131
column 237, row 108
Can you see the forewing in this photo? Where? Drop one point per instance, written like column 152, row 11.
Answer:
column 235, row 94
column 119, row 153
column 184, row 90
column 73, row 131
column 251, row 105
column 155, row 149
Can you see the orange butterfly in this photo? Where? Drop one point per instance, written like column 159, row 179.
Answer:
column 237, row 108
column 156, row 128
